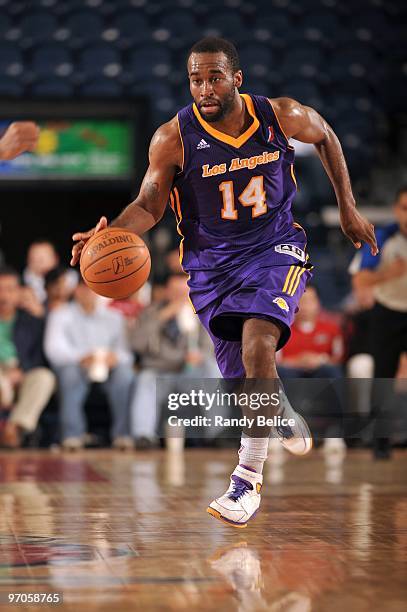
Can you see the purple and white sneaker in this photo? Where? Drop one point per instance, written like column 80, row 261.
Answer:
column 241, row 501
column 297, row 439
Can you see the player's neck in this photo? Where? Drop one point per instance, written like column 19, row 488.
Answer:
column 236, row 121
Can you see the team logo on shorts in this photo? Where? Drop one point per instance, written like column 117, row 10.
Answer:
column 291, row 249
column 281, row 303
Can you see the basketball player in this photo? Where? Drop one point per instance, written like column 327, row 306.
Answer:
column 226, row 166
column 20, row 136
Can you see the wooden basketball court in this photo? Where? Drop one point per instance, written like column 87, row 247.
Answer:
column 115, row 531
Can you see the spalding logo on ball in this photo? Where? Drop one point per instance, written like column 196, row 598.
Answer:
column 115, row 263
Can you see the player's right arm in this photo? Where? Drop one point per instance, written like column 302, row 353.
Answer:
column 166, row 158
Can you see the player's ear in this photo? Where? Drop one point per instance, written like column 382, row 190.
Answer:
column 238, row 77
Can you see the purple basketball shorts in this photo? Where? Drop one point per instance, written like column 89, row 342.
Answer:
column 269, row 292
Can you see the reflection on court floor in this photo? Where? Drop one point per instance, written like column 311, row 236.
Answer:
column 129, row 531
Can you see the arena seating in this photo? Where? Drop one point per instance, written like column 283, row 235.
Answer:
column 342, row 58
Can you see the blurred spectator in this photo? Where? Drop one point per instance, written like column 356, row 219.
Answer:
column 173, row 261
column 58, row 287
column 387, row 275
column 357, row 332
column 26, row 384
column 132, row 306
column 358, row 349
column 315, row 349
column 28, row 301
column 85, row 342
column 41, row 258
column 170, row 341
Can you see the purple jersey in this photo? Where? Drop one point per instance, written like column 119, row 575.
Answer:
column 232, row 199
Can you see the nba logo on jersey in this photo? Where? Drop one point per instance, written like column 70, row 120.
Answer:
column 271, row 134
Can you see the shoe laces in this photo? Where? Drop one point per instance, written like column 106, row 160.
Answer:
column 240, row 487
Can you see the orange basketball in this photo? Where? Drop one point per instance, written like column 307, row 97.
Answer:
column 115, row 263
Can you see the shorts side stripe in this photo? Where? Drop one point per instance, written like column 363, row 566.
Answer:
column 293, row 279
column 297, row 282
column 287, row 278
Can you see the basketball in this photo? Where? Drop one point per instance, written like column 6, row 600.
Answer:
column 115, row 263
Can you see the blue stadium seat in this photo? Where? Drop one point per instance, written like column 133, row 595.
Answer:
column 320, row 25
column 370, row 24
column 356, row 61
column 178, row 27
column 228, row 24
column 255, row 60
column 5, row 24
column 101, row 88
column 303, row 61
column 11, row 59
column 62, row 8
column 147, row 62
column 11, row 87
column 49, row 60
column 101, row 59
column 133, row 28
column 163, row 104
column 37, row 27
column 52, row 88
column 15, row 8
column 305, row 91
column 256, row 86
column 276, row 30
column 84, row 27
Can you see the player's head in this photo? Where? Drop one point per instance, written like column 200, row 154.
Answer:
column 9, row 291
column 214, row 76
column 400, row 209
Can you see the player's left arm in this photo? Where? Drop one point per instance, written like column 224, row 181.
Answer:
column 19, row 137
column 305, row 124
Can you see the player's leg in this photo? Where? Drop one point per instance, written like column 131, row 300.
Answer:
column 241, row 501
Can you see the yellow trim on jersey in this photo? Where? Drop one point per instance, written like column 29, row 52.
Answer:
column 294, row 179
column 235, row 142
column 297, row 282
column 279, row 124
column 179, row 216
column 172, row 202
column 182, row 144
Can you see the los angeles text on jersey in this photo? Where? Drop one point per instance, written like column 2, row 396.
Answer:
column 238, row 164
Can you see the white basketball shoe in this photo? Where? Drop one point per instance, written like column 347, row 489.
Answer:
column 241, row 501
column 297, row 438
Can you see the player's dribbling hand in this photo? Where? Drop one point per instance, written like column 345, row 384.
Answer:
column 19, row 137
column 81, row 239
column 358, row 229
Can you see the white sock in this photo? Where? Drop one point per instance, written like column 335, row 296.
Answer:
column 253, row 453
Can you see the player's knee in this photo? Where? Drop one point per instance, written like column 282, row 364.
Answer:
column 259, row 354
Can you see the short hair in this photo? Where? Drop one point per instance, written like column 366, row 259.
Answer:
column 400, row 192
column 214, row 44
column 9, row 271
column 53, row 275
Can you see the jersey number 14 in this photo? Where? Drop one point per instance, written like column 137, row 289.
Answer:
column 253, row 195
